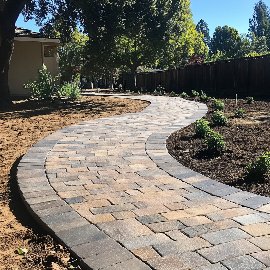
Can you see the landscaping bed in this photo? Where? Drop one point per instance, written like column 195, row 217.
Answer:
column 246, row 139
column 23, row 125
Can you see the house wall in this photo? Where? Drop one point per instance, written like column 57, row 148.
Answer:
column 27, row 59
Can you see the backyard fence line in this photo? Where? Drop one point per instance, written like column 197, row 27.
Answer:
column 245, row 77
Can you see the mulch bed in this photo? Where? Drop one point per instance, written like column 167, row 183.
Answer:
column 246, row 139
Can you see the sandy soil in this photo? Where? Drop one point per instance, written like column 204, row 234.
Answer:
column 22, row 126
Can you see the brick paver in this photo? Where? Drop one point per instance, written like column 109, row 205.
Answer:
column 109, row 190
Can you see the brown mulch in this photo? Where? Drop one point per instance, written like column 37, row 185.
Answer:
column 246, row 139
column 22, row 126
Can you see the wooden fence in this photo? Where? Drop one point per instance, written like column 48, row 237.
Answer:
column 245, row 77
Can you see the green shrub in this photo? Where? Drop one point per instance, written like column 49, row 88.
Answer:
column 71, row 90
column 215, row 142
column 260, row 167
column 239, row 113
column 184, row 95
column 173, row 94
column 45, row 87
column 219, row 119
column 201, row 128
column 204, row 97
column 218, row 105
column 160, row 90
column 249, row 100
column 194, row 93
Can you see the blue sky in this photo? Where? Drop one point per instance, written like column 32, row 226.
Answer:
column 235, row 13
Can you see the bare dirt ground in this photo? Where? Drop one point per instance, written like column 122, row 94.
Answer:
column 22, row 126
column 246, row 139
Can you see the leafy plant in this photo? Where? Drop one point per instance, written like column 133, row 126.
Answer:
column 239, row 113
column 45, row 87
column 201, row 128
column 160, row 90
column 194, row 93
column 260, row 167
column 249, row 100
column 218, row 105
column 219, row 119
column 184, row 95
column 215, row 142
column 72, row 89
column 22, row 251
column 204, row 97
column 173, row 94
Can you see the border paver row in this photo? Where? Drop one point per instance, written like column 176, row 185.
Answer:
column 109, row 190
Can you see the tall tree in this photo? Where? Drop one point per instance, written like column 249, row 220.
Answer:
column 259, row 24
column 226, row 40
column 183, row 40
column 9, row 12
column 202, row 27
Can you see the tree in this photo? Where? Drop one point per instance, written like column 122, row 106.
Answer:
column 9, row 12
column 259, row 24
column 202, row 27
column 71, row 56
column 183, row 41
column 227, row 41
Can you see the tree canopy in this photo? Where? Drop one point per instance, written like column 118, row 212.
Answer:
column 202, row 27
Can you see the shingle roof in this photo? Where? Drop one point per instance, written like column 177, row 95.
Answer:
column 21, row 32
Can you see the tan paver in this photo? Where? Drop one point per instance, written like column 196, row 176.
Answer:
column 114, row 195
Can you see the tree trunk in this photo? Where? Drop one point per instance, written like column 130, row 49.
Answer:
column 6, row 48
column 9, row 13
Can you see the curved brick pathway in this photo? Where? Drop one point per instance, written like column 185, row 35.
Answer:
column 110, row 191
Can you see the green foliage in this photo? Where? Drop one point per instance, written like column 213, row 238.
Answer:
column 45, row 87
column 218, row 105
column 173, row 94
column 204, row 97
column 226, row 41
column 184, row 95
column 250, row 100
column 202, row 128
column 215, row 142
column 71, row 89
column 71, row 56
column 202, row 27
column 195, row 93
column 22, row 251
column 219, row 119
column 239, row 113
column 259, row 24
column 260, row 167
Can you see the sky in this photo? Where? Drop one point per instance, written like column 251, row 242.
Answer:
column 235, row 13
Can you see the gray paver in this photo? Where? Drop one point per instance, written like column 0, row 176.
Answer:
column 243, row 263
column 228, row 250
column 224, row 236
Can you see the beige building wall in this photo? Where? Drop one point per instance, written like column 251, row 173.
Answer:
column 27, row 59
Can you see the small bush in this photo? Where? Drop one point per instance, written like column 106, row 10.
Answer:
column 218, row 105
column 45, row 87
column 219, row 119
column 260, row 167
column 239, row 113
column 215, row 142
column 184, row 95
column 71, row 90
column 173, row 94
column 194, row 93
column 201, row 128
column 250, row 100
column 160, row 90
column 204, row 97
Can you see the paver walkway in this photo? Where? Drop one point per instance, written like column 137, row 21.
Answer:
column 110, row 191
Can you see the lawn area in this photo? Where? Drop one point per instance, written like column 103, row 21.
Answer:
column 246, row 139
column 22, row 126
